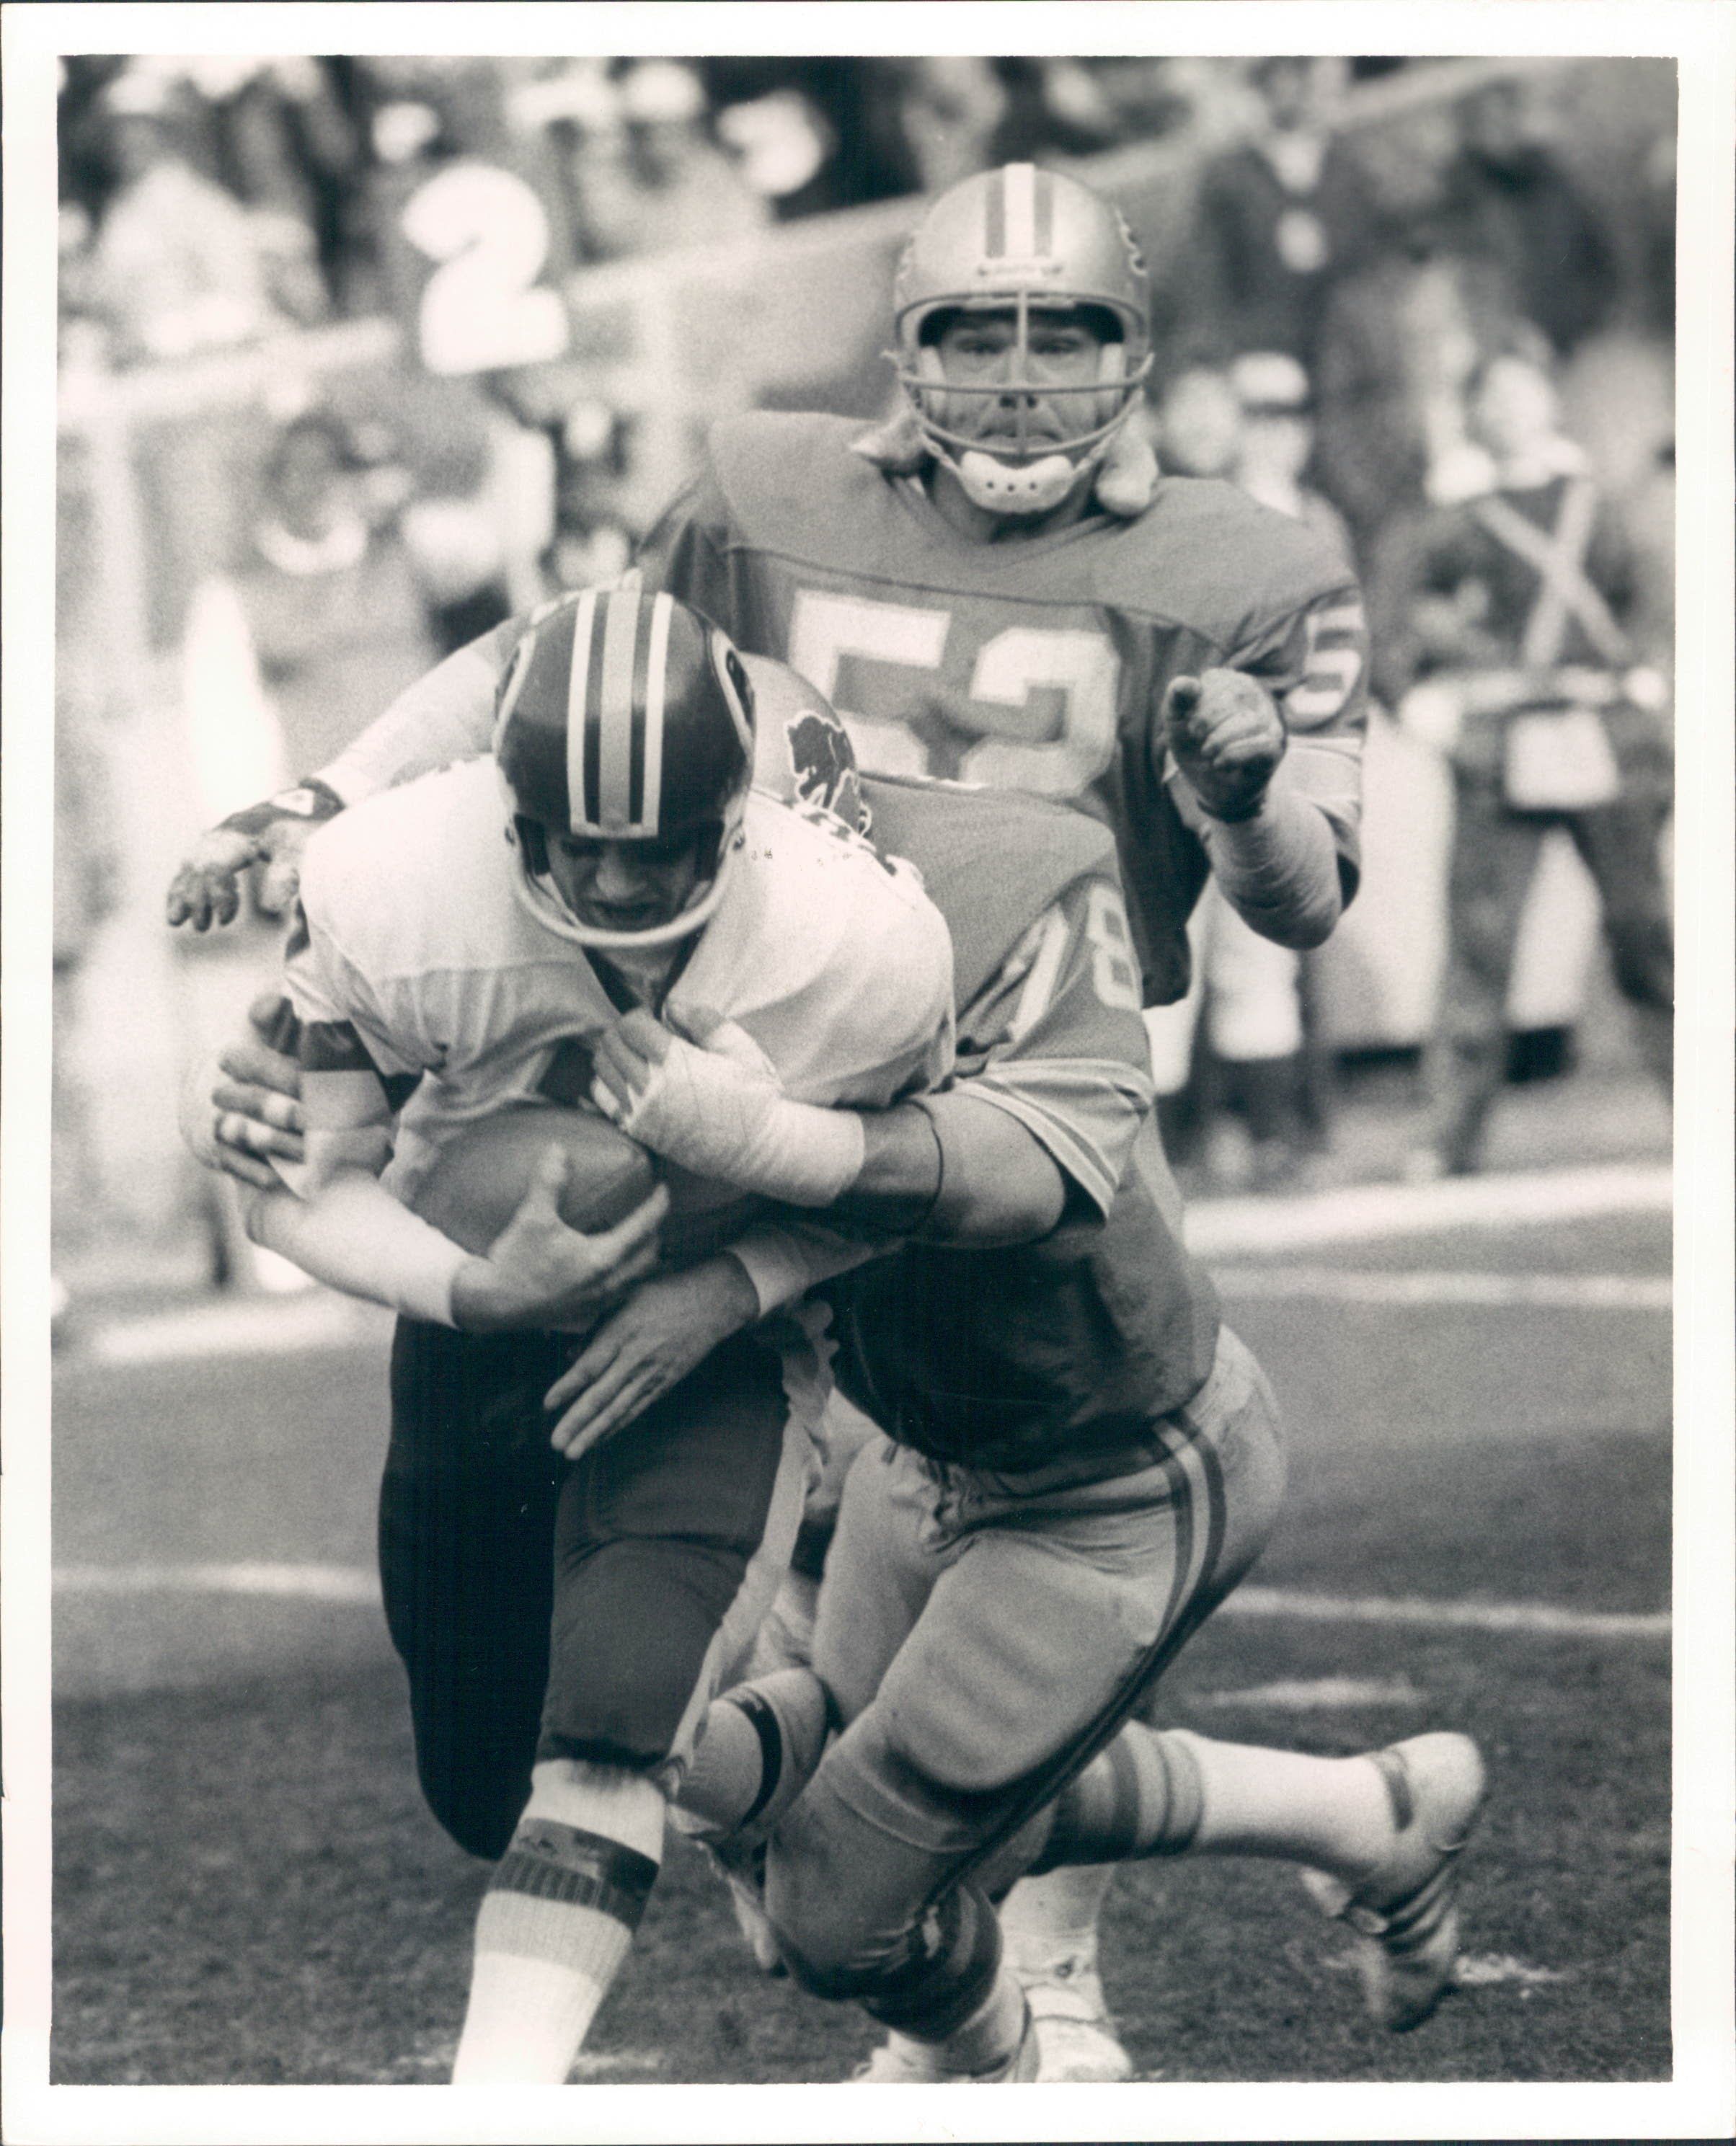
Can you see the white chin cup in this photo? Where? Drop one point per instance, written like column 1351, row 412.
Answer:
column 1016, row 487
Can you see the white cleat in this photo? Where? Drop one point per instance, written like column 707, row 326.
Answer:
column 901, row 2060
column 1076, row 2039
column 1406, row 1916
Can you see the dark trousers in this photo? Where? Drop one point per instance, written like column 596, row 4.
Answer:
column 1494, row 860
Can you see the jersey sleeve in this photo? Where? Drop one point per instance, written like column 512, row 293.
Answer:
column 354, row 1073
column 1056, row 1038
column 1313, row 662
column 446, row 715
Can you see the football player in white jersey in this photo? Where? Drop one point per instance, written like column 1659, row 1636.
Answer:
column 472, row 935
column 999, row 585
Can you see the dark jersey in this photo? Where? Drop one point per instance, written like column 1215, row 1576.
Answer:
column 1036, row 664
column 1067, row 1349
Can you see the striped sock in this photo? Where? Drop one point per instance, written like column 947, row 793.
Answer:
column 1140, row 1796
column 756, row 1750
column 556, row 1921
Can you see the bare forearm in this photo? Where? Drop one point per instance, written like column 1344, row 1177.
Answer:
column 953, row 1171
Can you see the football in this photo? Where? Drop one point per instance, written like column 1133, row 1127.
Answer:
column 472, row 1190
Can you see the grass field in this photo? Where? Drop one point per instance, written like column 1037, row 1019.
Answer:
column 247, row 1889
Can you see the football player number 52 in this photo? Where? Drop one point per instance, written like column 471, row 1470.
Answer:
column 1038, row 712
column 488, row 236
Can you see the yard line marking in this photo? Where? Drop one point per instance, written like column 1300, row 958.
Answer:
column 1546, row 1618
column 317, row 1583
column 1223, row 1228
column 250, row 1326
column 1310, row 1694
column 356, row 1584
column 1563, row 1292
column 1476, row 1970
column 1216, row 1230
column 593, row 2063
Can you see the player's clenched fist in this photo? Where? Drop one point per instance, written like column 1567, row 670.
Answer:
column 1225, row 733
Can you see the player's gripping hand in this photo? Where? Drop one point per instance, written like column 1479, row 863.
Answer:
column 715, row 1107
column 1225, row 733
column 244, row 1105
column 540, row 1272
column 207, row 889
column 667, row 1328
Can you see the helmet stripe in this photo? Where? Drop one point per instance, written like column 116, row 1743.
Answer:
column 995, row 226
column 615, row 757
column 662, row 613
column 1043, row 213
column 578, row 702
column 1020, row 181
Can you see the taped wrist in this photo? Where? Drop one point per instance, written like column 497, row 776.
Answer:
column 704, row 1110
column 1279, row 866
column 309, row 799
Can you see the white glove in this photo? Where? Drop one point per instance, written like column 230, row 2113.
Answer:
column 715, row 1107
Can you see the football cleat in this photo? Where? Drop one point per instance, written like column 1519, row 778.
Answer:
column 1406, row 1915
column 903, row 2061
column 1076, row 2038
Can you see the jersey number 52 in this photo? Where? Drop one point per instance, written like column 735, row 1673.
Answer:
column 1038, row 713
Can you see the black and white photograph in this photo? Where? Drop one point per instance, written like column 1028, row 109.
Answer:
column 859, row 1225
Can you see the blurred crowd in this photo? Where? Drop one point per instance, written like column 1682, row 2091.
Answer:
column 1374, row 330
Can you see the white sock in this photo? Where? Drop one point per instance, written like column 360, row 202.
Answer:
column 557, row 1920
column 1047, row 1918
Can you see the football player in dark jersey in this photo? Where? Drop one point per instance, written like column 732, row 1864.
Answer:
column 999, row 586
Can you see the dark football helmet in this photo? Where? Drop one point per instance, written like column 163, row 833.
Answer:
column 623, row 717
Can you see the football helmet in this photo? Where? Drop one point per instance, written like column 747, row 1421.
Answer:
column 623, row 717
column 1022, row 240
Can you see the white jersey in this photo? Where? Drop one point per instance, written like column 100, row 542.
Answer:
column 418, row 960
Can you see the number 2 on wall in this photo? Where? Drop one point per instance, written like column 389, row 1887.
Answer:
column 489, row 236
column 992, row 735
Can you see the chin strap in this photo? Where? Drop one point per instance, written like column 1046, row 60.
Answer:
column 1123, row 480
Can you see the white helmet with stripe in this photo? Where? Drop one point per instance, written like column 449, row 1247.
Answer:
column 1021, row 239
column 624, row 716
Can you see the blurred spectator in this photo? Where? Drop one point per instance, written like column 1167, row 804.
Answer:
column 1283, row 217
column 847, row 105
column 1242, row 1102
column 320, row 627
column 667, row 185
column 1275, row 442
column 178, row 266
column 951, row 109
column 1510, row 201
column 1510, row 612
column 1398, row 342
column 282, row 662
column 1142, row 99
column 1196, row 422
